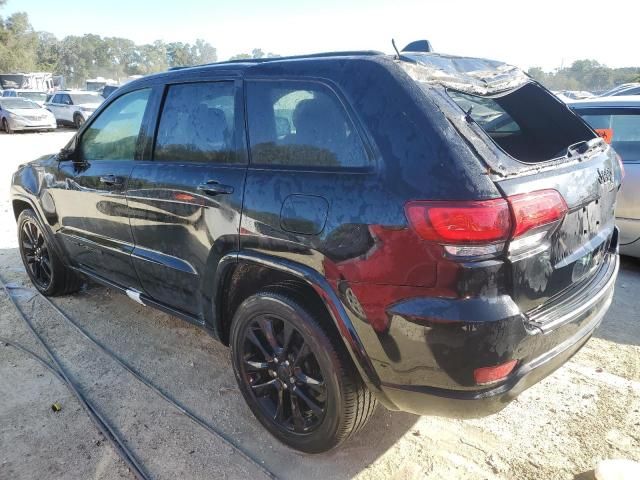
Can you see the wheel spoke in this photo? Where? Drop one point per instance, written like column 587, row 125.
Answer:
column 269, row 383
column 39, row 239
column 302, row 353
column 27, row 231
column 310, row 403
column 287, row 333
column 251, row 335
column 298, row 419
column 256, row 366
column 46, row 266
column 280, row 408
column 266, row 325
column 312, row 383
column 27, row 245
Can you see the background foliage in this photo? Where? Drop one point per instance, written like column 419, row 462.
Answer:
column 22, row 49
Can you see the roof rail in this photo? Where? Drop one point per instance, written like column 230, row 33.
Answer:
column 348, row 53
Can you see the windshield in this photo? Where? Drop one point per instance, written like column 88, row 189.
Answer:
column 35, row 96
column 10, row 103
column 80, row 98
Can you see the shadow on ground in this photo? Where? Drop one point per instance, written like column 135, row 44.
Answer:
column 185, row 363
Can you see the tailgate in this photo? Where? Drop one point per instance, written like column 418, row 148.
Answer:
column 573, row 253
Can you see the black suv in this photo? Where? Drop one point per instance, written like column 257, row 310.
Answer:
column 430, row 232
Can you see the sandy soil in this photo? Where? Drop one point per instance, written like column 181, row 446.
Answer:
column 559, row 429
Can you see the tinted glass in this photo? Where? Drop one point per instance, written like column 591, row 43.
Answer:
column 301, row 124
column 114, row 133
column 622, row 128
column 65, row 99
column 197, row 124
column 486, row 112
column 81, row 98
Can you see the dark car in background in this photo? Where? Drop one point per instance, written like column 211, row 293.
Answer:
column 617, row 119
column 430, row 232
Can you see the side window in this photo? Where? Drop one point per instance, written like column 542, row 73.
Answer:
column 114, row 134
column 197, row 124
column 65, row 100
column 301, row 124
column 55, row 99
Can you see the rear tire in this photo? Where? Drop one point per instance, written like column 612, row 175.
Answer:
column 305, row 391
column 45, row 269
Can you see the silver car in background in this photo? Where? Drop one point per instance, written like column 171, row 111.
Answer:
column 617, row 120
column 20, row 114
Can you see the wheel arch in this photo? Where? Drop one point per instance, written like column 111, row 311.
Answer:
column 242, row 274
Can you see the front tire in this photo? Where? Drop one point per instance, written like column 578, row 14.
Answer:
column 78, row 120
column 6, row 127
column 45, row 269
column 295, row 373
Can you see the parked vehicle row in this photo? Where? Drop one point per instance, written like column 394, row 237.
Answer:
column 33, row 95
column 359, row 228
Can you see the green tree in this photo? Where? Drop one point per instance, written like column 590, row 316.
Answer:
column 18, row 43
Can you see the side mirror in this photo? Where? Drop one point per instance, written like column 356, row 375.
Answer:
column 66, row 154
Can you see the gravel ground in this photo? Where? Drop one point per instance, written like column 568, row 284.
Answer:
column 587, row 411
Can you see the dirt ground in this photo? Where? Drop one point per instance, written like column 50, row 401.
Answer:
column 587, row 411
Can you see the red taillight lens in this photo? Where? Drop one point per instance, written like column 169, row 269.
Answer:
column 470, row 222
column 485, row 375
column 485, row 221
column 535, row 209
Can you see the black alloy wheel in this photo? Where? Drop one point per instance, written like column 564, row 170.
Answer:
column 36, row 254
column 283, row 374
column 294, row 371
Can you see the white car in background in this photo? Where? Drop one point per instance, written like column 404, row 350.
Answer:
column 33, row 95
column 20, row 114
column 73, row 107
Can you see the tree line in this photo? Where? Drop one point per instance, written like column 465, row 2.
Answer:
column 77, row 58
column 585, row 75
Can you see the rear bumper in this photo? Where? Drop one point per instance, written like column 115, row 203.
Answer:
column 539, row 351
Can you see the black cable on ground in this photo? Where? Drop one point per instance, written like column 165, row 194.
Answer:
column 119, row 446
column 192, row 416
column 33, row 354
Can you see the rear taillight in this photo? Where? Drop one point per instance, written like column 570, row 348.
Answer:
column 536, row 209
column 468, row 228
column 474, row 222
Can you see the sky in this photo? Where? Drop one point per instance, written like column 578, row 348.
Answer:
column 545, row 33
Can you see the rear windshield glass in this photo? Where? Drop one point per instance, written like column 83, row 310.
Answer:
column 621, row 129
column 528, row 123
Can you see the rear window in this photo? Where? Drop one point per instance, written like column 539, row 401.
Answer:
column 620, row 127
column 528, row 123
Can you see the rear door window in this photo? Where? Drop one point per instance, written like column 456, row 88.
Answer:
column 621, row 127
column 301, row 124
column 528, row 123
column 197, row 124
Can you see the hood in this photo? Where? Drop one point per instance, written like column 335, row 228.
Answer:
column 472, row 75
column 28, row 112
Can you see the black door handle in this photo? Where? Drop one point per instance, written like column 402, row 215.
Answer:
column 211, row 187
column 110, row 180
